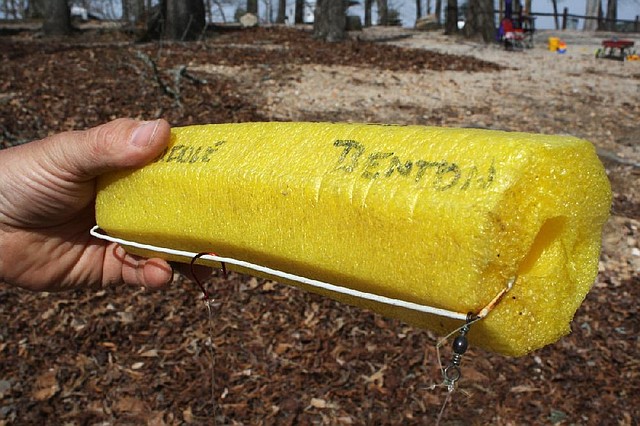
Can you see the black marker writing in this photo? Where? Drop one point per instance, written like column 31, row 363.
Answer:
column 189, row 154
column 350, row 154
column 441, row 175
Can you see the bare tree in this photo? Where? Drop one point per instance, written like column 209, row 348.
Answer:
column 383, row 12
column 87, row 4
column 418, row 9
column 330, row 20
column 132, row 10
column 184, row 19
column 480, row 20
column 220, row 6
column 612, row 14
column 252, row 7
column 9, row 9
column 108, row 9
column 601, row 23
column 438, row 11
column 591, row 11
column 208, row 7
column 367, row 12
column 36, row 9
column 268, row 7
column 281, row 17
column 57, row 18
column 451, row 17
column 298, row 17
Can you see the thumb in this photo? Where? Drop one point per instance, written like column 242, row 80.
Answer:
column 119, row 144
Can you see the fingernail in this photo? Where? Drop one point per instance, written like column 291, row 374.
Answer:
column 143, row 134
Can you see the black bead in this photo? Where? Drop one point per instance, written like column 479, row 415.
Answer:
column 460, row 345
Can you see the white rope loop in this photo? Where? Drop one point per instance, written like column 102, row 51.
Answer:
column 95, row 231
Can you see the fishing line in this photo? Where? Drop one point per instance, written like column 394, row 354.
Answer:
column 189, row 256
column 451, row 373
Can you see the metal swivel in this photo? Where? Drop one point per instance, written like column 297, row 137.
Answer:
column 451, row 374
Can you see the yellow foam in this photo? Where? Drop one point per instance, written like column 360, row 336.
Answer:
column 440, row 217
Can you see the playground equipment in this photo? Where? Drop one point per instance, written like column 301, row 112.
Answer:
column 517, row 33
column 619, row 50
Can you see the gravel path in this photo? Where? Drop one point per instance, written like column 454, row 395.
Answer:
column 541, row 91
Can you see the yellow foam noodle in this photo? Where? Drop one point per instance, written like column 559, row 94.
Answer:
column 435, row 216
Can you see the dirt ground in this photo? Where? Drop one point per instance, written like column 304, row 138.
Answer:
column 123, row 356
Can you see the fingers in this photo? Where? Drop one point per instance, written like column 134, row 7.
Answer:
column 117, row 145
column 155, row 273
column 122, row 267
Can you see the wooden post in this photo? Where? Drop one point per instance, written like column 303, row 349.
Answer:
column 636, row 26
column 565, row 12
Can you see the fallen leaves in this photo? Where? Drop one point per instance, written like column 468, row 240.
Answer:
column 151, row 353
column 524, row 389
column 283, row 356
column 46, row 386
column 130, row 405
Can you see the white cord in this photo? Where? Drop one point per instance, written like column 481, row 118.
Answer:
column 274, row 272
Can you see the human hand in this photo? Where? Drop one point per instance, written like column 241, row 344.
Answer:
column 47, row 194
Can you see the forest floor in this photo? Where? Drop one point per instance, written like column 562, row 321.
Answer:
column 283, row 356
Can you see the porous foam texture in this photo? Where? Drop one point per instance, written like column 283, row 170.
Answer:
column 436, row 216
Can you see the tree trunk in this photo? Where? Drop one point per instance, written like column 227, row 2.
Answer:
column 383, row 12
column 367, row 12
column 451, row 18
column 418, row 9
column 330, row 20
column 132, row 11
column 208, row 11
column 601, row 23
column 268, row 13
column 555, row 13
column 252, row 7
column 592, row 11
column 282, row 12
column 184, row 19
column 125, row 10
column 480, row 21
column 299, row 18
column 438, row 11
column 36, row 9
column 57, row 18
column 9, row 9
column 612, row 14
